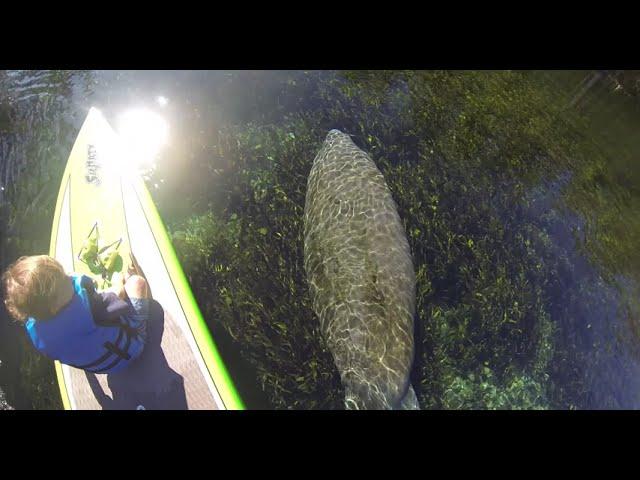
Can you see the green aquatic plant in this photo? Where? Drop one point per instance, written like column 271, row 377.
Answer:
column 479, row 391
column 38, row 138
column 245, row 267
column 463, row 154
column 521, row 215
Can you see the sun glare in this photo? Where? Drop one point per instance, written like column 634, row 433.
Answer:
column 143, row 133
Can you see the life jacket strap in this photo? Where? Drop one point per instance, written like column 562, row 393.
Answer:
column 113, row 350
column 120, row 355
column 123, row 354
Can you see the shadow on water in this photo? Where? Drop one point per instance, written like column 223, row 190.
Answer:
column 149, row 382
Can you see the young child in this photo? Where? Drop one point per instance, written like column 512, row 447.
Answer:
column 69, row 321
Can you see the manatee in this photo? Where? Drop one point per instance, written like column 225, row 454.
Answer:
column 360, row 275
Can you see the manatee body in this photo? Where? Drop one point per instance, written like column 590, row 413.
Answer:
column 360, row 275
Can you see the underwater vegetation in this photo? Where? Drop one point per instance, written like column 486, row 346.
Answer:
column 489, row 171
column 36, row 131
column 521, row 217
column 3, row 403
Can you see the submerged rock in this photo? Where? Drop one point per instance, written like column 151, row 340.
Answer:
column 360, row 274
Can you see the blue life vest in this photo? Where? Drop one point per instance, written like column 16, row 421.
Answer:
column 75, row 336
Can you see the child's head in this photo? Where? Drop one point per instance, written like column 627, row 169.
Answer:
column 32, row 286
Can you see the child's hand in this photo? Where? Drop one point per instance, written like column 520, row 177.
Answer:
column 117, row 282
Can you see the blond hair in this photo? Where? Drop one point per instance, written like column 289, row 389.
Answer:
column 31, row 285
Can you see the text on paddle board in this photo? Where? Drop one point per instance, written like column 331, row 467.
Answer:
column 92, row 166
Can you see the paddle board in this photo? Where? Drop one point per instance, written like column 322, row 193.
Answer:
column 180, row 367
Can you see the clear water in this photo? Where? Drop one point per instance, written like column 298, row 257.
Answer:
column 578, row 215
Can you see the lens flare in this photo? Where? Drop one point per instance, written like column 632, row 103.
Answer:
column 143, row 133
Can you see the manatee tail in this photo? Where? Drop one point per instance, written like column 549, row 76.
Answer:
column 355, row 402
column 410, row 400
